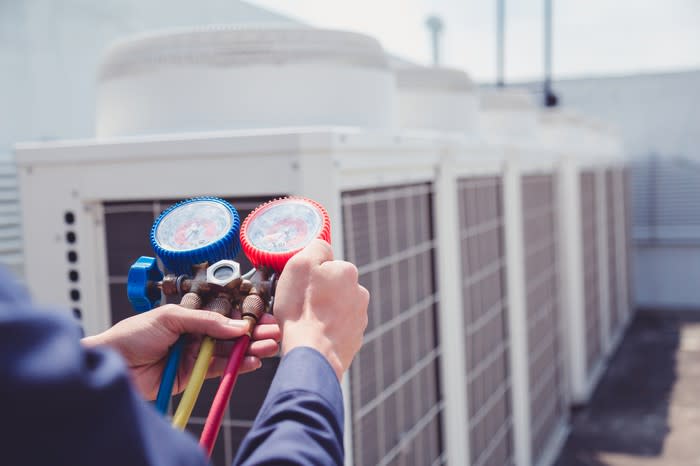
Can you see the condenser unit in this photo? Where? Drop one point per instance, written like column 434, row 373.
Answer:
column 460, row 221
column 535, row 318
column 88, row 205
column 594, row 253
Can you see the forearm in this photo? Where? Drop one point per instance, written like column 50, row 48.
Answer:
column 301, row 421
column 78, row 402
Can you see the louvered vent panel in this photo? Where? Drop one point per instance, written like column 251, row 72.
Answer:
column 11, row 255
column 396, row 401
column 666, row 200
column 486, row 327
column 628, row 178
column 611, row 203
column 128, row 225
column 545, row 355
column 589, row 226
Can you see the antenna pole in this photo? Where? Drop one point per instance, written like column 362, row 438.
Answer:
column 550, row 99
column 500, row 42
column 435, row 27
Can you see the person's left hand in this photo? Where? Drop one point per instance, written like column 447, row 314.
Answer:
column 144, row 340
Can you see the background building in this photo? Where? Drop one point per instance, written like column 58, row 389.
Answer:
column 658, row 116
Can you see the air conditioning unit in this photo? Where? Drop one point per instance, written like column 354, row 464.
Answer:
column 594, row 227
column 88, row 205
column 460, row 222
column 535, row 318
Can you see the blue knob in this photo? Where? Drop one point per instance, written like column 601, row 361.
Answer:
column 143, row 294
column 203, row 229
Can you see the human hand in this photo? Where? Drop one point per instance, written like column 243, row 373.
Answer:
column 320, row 304
column 144, row 340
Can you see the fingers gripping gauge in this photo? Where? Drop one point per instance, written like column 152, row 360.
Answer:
column 277, row 230
column 194, row 231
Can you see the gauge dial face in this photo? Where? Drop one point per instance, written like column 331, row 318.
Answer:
column 193, row 226
column 285, row 226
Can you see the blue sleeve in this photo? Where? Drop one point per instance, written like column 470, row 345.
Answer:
column 63, row 404
column 301, row 420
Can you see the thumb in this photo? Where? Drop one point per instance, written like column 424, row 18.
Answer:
column 316, row 252
column 181, row 320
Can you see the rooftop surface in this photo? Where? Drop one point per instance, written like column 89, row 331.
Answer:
column 646, row 410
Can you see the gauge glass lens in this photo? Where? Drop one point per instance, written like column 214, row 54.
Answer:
column 224, row 272
column 286, row 226
column 193, row 226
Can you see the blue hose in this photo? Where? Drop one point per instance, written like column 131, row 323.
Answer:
column 169, row 373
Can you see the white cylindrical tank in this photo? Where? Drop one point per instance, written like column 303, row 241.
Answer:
column 440, row 99
column 508, row 115
column 222, row 78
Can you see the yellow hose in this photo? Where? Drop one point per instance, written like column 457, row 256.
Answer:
column 194, row 386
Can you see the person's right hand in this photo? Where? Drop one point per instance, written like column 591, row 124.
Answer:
column 320, row 304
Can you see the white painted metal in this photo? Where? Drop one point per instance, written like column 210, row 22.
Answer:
column 453, row 362
column 571, row 276
column 439, row 99
column 517, row 312
column 508, row 115
column 597, row 148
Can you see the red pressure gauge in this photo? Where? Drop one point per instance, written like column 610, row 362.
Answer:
column 277, row 230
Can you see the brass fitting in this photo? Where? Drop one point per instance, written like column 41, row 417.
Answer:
column 252, row 309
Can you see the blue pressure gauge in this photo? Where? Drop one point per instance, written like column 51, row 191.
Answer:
column 194, row 231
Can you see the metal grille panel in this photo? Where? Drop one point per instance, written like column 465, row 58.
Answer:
column 11, row 255
column 628, row 206
column 127, row 226
column 485, row 314
column 613, row 216
column 396, row 400
column 665, row 192
column 545, row 356
column 589, row 227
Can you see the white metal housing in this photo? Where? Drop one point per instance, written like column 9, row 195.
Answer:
column 334, row 167
column 371, row 183
column 223, row 78
column 594, row 279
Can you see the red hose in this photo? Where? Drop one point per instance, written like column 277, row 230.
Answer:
column 223, row 395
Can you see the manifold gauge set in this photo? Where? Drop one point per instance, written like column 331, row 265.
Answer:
column 197, row 242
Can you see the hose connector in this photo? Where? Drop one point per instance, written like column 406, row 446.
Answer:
column 252, row 309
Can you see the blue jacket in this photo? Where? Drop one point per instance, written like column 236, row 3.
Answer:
column 64, row 405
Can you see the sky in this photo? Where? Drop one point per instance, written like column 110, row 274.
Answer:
column 591, row 37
